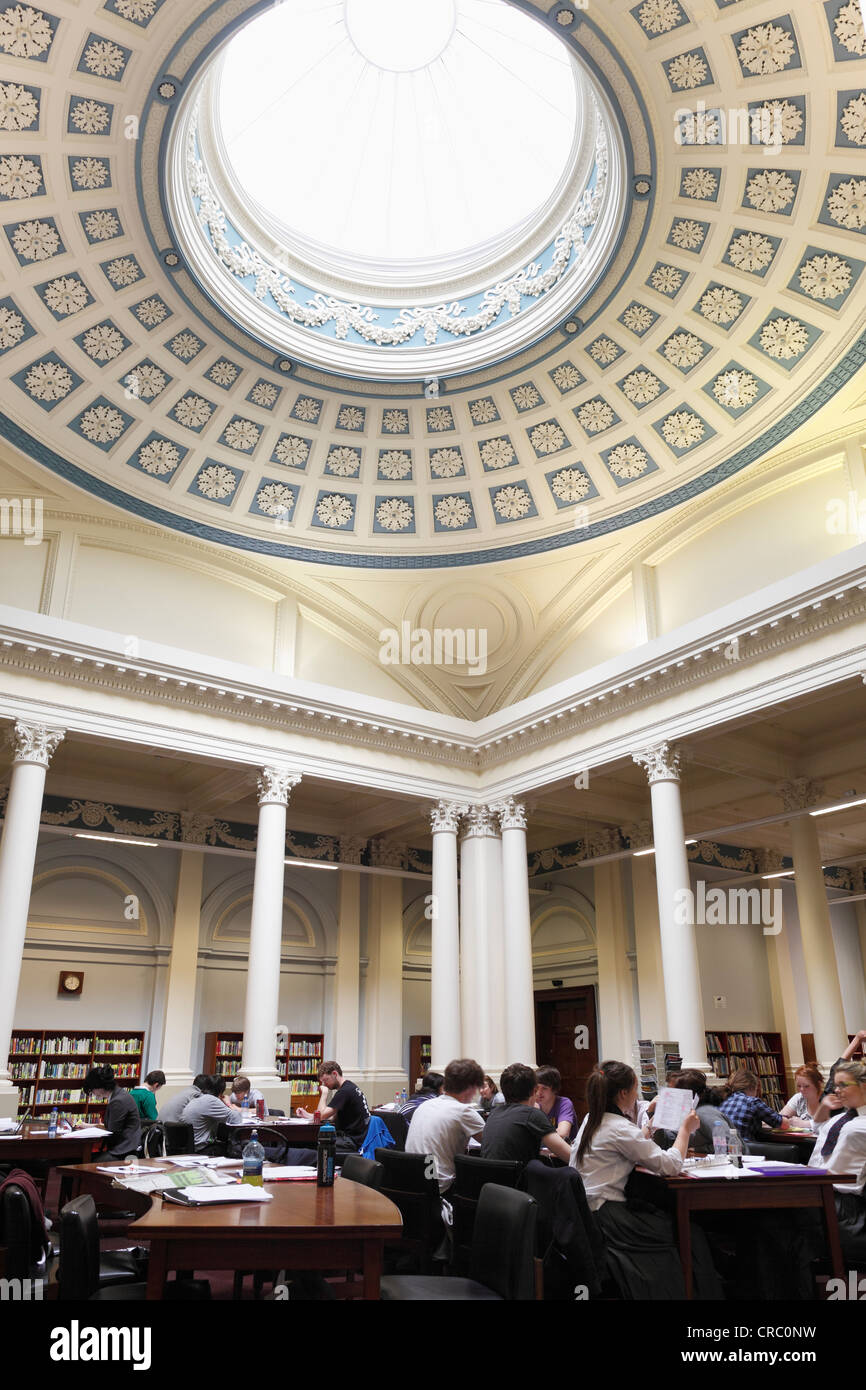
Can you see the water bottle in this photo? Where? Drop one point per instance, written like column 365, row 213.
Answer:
column 254, row 1157
column 396, row 1100
column 736, row 1148
column 720, row 1139
column 245, row 1106
column 403, row 1096
column 326, row 1154
column 52, row 1124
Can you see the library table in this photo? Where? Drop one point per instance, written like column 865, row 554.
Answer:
column 796, row 1186
column 304, row 1227
column 57, row 1152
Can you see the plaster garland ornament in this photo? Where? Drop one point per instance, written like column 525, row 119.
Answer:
column 34, row 743
column 197, row 828
column 275, row 785
column 661, row 763
column 386, row 854
column 511, row 814
column 445, row 816
column 351, row 848
column 479, row 823
column 317, row 310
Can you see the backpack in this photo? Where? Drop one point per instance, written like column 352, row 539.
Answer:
column 153, row 1145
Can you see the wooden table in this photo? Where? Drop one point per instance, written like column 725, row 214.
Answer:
column 304, row 1227
column 57, row 1152
column 796, row 1188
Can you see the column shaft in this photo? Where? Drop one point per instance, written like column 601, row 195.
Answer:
column 445, row 940
column 483, row 1003
column 347, row 973
column 819, row 953
column 178, row 1062
column 34, row 747
column 384, row 1030
column 518, row 1005
column 650, row 975
column 615, row 999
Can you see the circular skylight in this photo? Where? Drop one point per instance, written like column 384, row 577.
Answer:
column 398, row 131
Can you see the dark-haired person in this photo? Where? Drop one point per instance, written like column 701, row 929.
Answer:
column 241, row 1087
column 490, row 1096
column 172, row 1109
column 145, row 1096
column 744, row 1110
column 517, row 1130
column 558, row 1109
column 347, row 1108
column 707, row 1104
column 444, row 1126
column 206, row 1112
column 431, row 1085
column 121, row 1116
column 640, row 1237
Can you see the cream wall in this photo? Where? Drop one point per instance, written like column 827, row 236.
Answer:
column 22, row 573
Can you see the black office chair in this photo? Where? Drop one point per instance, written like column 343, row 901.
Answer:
column 503, row 1257
column 365, row 1171
column 280, row 1114
column 272, row 1141
column 409, row 1180
column 471, row 1176
column 179, row 1138
column 85, row 1273
column 782, row 1153
column 16, row 1236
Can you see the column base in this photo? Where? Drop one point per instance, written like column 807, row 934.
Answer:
column 9, row 1097
column 180, row 1076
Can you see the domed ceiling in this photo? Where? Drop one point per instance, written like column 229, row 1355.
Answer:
column 190, row 330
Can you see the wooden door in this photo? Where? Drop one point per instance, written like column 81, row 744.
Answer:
column 559, row 1013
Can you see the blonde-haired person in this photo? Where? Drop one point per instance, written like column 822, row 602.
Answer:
column 805, row 1103
column 744, row 1110
column 841, row 1148
column 639, row 1237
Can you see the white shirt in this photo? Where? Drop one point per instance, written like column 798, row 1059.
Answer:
column 441, row 1127
column 849, row 1155
column 617, row 1147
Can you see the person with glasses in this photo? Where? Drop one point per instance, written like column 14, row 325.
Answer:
column 841, row 1148
column 829, row 1103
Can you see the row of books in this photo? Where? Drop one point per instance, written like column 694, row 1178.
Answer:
column 24, row 1071
column 24, row 1047
column 739, row 1042
column 764, row 1066
column 57, row 1095
column 310, row 1068
column 67, row 1044
column 229, row 1049
column 305, row 1049
column 112, row 1046
column 305, row 1088
column 70, row 1070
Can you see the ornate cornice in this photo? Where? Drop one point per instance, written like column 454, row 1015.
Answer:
column 275, row 785
column 661, row 763
column 33, row 743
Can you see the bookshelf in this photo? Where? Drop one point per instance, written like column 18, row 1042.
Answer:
column 298, row 1063
column 419, row 1056
column 46, row 1065
column 758, row 1052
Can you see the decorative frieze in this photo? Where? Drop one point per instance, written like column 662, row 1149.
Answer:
column 388, row 855
column 351, row 848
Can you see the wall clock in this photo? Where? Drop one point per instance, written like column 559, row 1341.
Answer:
column 71, row 982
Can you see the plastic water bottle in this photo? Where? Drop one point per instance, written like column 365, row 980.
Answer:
column 254, row 1157
column 720, row 1139
column 403, row 1096
column 735, row 1148
column 396, row 1100
column 52, row 1124
column 245, row 1106
column 326, row 1155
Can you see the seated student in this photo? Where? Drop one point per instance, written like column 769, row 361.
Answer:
column 516, row 1130
column 121, row 1116
column 827, row 1106
column 558, row 1109
column 444, row 1127
column 841, row 1148
column 431, row 1085
column 206, row 1112
column 241, row 1088
column 145, row 1096
column 640, row 1237
column 743, row 1109
column 490, row 1096
column 347, row 1109
column 172, row 1110
column 804, row 1105
column 707, row 1104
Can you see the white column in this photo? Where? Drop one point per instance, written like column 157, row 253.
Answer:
column 685, row 1013
column 266, row 928
column 518, row 1004
column 445, row 938
column 819, row 952
column 177, row 1060
column 344, row 1048
column 482, row 961
column 615, row 999
column 384, row 1031
column 33, row 748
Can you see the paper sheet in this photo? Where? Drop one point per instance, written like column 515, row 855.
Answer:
column 721, row 1171
column 281, row 1173
column 237, row 1192
column 672, row 1107
column 87, row 1132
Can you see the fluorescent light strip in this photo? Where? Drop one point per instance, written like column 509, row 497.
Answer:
column 116, row 839
column 309, row 864
column 786, row 873
column 842, row 806
column 639, row 852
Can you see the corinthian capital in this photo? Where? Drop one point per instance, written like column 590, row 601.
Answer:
column 445, row 816
column 800, row 792
column 33, row 743
column 661, row 763
column 511, row 813
column 275, row 785
column 479, row 822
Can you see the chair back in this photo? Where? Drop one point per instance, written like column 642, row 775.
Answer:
column 411, row 1184
column 79, row 1249
column 16, row 1232
column 179, row 1137
column 783, row 1153
column 471, row 1176
column 407, row 1172
column 365, row 1171
column 503, row 1242
column 396, row 1125
column 278, row 1114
